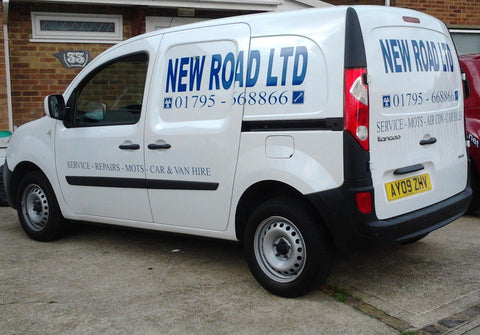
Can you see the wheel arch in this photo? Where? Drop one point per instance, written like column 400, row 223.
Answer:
column 21, row 170
column 261, row 192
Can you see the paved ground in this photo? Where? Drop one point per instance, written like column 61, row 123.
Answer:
column 100, row 280
column 424, row 283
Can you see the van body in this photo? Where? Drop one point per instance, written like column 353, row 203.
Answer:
column 294, row 133
column 470, row 65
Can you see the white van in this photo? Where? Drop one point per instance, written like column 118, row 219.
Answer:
column 294, row 133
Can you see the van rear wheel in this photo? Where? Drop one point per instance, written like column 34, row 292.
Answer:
column 287, row 250
column 38, row 209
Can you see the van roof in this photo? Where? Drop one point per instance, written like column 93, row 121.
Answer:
column 266, row 24
column 258, row 21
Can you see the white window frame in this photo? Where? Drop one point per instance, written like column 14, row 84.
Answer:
column 152, row 22
column 39, row 35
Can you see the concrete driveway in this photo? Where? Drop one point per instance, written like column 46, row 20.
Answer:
column 99, row 280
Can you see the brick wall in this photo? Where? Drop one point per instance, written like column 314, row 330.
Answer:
column 35, row 71
column 3, row 81
column 452, row 12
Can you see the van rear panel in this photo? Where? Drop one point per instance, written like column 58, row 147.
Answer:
column 408, row 176
column 417, row 148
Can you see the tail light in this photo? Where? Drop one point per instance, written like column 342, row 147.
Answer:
column 364, row 202
column 356, row 105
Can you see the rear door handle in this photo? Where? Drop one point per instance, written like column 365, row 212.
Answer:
column 129, row 146
column 409, row 169
column 427, row 141
column 154, row 146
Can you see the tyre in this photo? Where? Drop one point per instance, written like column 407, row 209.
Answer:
column 287, row 250
column 38, row 209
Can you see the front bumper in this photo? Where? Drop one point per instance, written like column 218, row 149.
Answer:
column 3, row 195
column 7, row 178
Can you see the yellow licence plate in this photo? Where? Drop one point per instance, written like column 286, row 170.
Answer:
column 405, row 187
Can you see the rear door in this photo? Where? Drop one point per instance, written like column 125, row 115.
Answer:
column 193, row 128
column 417, row 143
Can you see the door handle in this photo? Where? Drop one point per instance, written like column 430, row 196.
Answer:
column 409, row 169
column 427, row 141
column 154, row 146
column 129, row 146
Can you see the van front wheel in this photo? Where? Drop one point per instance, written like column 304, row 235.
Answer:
column 38, row 209
column 286, row 248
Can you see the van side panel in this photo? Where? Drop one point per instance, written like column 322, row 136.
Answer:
column 292, row 133
column 286, row 79
column 290, row 101
column 192, row 131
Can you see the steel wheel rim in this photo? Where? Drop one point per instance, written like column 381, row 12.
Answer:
column 280, row 249
column 35, row 207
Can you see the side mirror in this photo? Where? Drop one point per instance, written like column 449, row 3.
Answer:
column 55, row 106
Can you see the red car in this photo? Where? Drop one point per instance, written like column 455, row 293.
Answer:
column 471, row 66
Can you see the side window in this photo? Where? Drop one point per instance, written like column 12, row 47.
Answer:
column 113, row 94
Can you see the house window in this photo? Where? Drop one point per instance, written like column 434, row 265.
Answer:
column 466, row 41
column 76, row 28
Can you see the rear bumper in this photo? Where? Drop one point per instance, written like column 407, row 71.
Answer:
column 351, row 229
